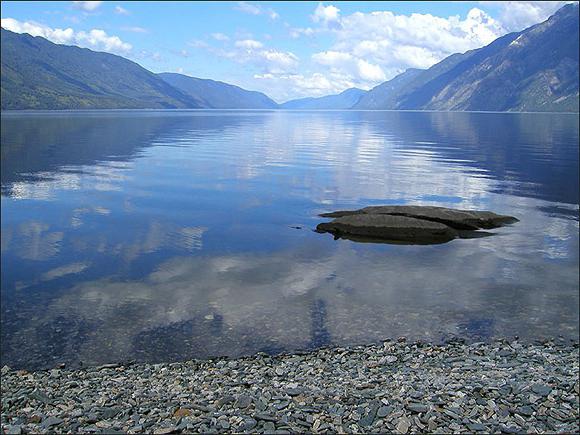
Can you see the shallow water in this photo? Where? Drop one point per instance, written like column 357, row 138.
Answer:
column 166, row 235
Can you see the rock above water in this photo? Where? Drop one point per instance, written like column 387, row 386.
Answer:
column 457, row 219
column 411, row 223
column 384, row 226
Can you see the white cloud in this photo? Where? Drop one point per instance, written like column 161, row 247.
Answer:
column 415, row 57
column 253, row 52
column 370, row 48
column 357, row 69
column 278, row 60
column 121, row 10
column 518, row 15
column 58, row 36
column 220, row 37
column 267, row 61
column 95, row 39
column 87, row 6
column 135, row 29
column 332, row 58
column 248, row 8
column 253, row 9
column 442, row 36
column 283, row 87
column 327, row 15
column 98, row 39
column 249, row 44
column 370, row 72
column 297, row 32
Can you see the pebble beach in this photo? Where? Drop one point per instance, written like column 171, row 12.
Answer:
column 502, row 386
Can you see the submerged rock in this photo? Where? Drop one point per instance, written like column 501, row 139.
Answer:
column 411, row 223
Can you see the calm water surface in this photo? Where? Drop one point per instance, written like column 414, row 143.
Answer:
column 162, row 236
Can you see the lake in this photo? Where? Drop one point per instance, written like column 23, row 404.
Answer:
column 168, row 235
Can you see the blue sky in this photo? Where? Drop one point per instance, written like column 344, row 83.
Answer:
column 285, row 49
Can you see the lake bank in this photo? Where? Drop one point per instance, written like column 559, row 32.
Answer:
column 394, row 386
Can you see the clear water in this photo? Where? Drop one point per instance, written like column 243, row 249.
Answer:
column 160, row 236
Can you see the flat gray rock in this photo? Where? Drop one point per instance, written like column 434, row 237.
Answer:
column 411, row 223
column 456, row 219
column 389, row 227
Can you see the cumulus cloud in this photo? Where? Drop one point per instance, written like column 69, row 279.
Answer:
column 95, row 39
column 87, row 6
column 370, row 48
column 377, row 33
column 283, row 87
column 326, row 14
column 355, row 67
column 518, row 15
column 119, row 10
column 253, row 9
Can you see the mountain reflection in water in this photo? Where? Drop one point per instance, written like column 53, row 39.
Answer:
column 169, row 235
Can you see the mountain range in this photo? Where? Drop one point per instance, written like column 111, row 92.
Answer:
column 37, row 74
column 532, row 70
column 218, row 95
column 344, row 100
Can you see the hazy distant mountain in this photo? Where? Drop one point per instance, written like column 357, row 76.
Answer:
column 344, row 100
column 218, row 95
column 386, row 94
column 532, row 70
column 37, row 74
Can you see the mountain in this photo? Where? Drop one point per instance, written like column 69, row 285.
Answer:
column 37, row 74
column 344, row 100
column 532, row 70
column 218, row 95
column 385, row 95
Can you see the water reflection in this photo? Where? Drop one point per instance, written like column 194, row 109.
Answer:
column 169, row 235
column 232, row 305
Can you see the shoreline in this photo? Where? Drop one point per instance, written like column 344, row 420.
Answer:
column 395, row 386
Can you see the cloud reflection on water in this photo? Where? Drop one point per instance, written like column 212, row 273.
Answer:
column 284, row 300
column 168, row 235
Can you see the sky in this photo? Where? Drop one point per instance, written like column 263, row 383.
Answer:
column 285, row 49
